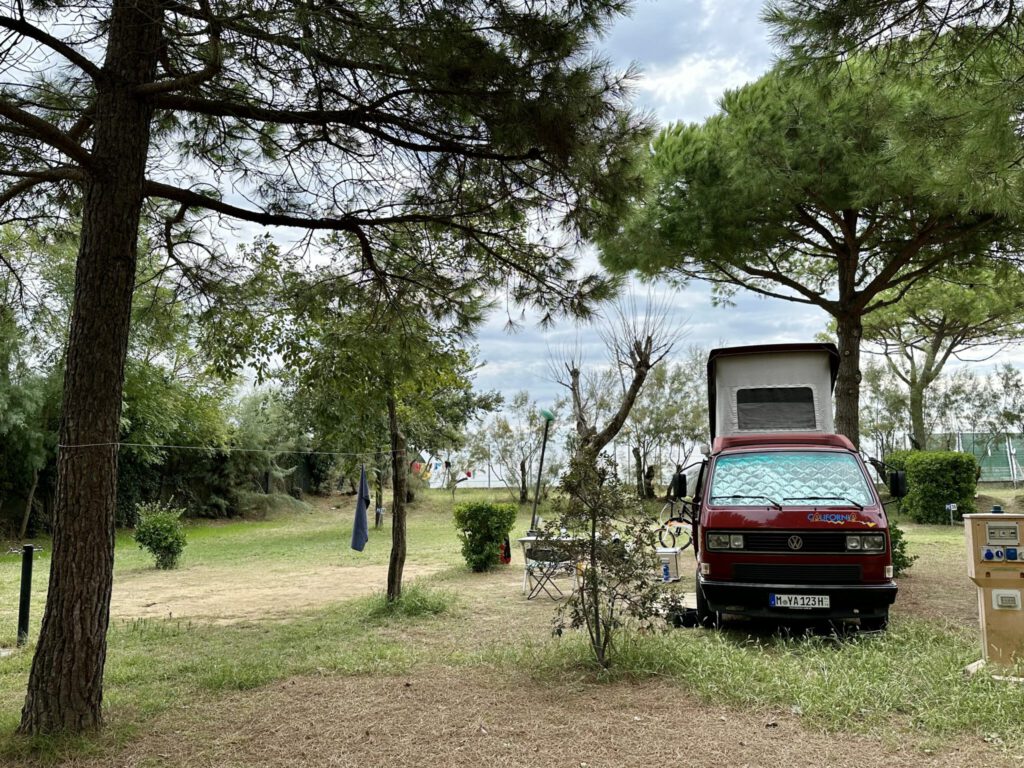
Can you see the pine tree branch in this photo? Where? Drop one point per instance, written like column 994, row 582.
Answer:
column 47, row 133
column 805, row 294
column 241, row 27
column 22, row 27
column 362, row 119
column 31, row 180
column 190, row 80
column 193, row 199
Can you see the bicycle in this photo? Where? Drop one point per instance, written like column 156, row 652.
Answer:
column 675, row 530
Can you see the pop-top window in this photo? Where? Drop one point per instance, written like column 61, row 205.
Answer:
column 777, row 409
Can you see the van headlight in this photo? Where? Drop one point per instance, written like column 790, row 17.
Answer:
column 873, row 542
column 718, row 541
column 725, row 541
column 866, row 542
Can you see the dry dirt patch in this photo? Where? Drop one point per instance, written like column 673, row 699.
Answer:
column 937, row 588
column 446, row 717
column 239, row 594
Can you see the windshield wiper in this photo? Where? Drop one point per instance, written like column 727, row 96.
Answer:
column 769, row 499
column 826, row 498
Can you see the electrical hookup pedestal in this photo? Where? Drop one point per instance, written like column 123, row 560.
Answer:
column 995, row 563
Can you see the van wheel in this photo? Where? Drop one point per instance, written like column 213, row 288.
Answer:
column 705, row 616
column 875, row 623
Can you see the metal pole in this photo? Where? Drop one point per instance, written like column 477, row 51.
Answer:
column 26, row 593
column 540, row 468
column 1009, row 458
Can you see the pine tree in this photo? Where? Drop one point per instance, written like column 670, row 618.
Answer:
column 473, row 123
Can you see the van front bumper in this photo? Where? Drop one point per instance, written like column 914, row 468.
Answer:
column 846, row 601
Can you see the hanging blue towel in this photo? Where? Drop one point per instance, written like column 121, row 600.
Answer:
column 360, row 528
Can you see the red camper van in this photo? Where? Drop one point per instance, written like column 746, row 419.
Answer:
column 789, row 523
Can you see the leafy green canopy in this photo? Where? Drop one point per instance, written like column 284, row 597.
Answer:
column 797, row 172
column 829, row 28
column 463, row 129
column 170, row 398
column 27, row 409
column 838, row 192
column 345, row 355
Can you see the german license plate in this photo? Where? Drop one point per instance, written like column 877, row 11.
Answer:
column 798, row 601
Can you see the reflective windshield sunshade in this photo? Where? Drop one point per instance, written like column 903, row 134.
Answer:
column 823, row 478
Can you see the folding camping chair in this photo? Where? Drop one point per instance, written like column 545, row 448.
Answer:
column 545, row 562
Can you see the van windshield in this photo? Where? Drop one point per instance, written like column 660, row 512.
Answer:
column 813, row 478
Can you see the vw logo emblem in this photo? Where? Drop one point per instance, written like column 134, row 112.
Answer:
column 795, row 542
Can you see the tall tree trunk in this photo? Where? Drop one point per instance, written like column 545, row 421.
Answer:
column 917, row 428
column 378, row 486
column 410, row 492
column 847, row 392
column 398, row 469
column 919, row 379
column 595, row 587
column 524, row 483
column 65, row 687
column 649, row 472
column 639, row 471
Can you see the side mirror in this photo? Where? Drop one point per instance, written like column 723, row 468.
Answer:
column 898, row 484
column 705, row 449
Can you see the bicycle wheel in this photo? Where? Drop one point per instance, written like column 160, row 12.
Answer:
column 668, row 513
column 684, row 534
column 666, row 537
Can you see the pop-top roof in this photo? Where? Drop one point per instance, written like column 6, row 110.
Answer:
column 772, row 388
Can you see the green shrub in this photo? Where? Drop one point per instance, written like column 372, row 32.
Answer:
column 161, row 531
column 482, row 528
column 901, row 559
column 938, row 478
column 895, row 460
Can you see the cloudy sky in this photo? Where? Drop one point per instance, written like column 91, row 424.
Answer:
column 689, row 51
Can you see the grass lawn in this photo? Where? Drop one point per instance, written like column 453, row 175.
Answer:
column 874, row 696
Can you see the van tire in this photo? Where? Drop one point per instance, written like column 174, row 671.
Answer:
column 875, row 623
column 705, row 616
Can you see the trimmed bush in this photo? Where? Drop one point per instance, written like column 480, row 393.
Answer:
column 938, row 478
column 895, row 460
column 161, row 531
column 482, row 529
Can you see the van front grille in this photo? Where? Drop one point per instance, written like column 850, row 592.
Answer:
column 810, row 541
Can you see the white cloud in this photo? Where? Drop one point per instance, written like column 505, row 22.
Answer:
column 521, row 360
column 690, row 89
